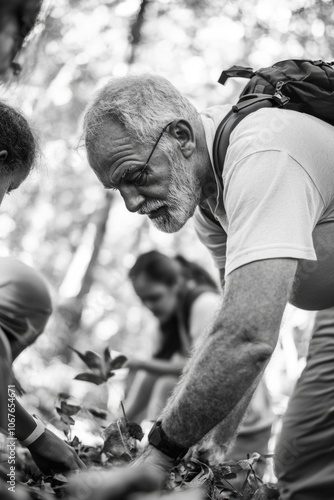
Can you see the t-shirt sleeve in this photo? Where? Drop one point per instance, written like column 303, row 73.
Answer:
column 212, row 236
column 272, row 207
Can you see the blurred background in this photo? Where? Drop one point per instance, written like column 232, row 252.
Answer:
column 81, row 237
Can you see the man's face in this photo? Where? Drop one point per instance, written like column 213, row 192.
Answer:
column 167, row 191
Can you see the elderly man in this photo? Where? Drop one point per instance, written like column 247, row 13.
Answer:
column 271, row 234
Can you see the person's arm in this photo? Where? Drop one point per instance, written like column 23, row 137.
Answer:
column 221, row 377
column 25, row 423
column 139, row 393
column 49, row 452
column 202, row 314
column 157, row 366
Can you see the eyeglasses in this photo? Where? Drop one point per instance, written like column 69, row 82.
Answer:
column 154, row 148
column 156, row 143
column 140, row 179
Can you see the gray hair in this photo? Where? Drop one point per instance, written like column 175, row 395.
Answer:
column 143, row 104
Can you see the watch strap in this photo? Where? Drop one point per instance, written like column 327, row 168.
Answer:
column 158, row 438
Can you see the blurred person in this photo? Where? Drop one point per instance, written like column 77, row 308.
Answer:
column 25, row 307
column 268, row 222
column 17, row 18
column 184, row 298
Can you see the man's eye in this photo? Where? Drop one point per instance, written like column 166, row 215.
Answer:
column 139, row 179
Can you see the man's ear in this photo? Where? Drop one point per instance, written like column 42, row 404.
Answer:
column 183, row 132
column 3, row 156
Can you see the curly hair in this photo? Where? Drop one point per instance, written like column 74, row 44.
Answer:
column 18, row 139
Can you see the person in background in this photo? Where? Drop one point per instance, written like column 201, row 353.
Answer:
column 25, row 307
column 184, row 299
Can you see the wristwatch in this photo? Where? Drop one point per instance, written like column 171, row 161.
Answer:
column 161, row 441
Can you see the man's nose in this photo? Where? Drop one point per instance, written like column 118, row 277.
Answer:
column 132, row 199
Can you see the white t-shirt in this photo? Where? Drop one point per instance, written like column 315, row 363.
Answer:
column 278, row 183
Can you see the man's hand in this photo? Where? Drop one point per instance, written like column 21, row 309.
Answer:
column 119, row 484
column 53, row 455
column 146, row 474
column 155, row 460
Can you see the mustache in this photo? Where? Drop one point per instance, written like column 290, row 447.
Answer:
column 150, row 206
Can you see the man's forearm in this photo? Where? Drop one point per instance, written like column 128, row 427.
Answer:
column 219, row 379
column 226, row 365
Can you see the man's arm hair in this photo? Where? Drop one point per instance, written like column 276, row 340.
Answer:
column 221, row 376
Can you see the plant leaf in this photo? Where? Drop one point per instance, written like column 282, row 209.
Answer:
column 69, row 409
column 266, row 492
column 91, row 358
column 118, row 440
column 75, row 442
column 90, row 377
column 117, row 362
column 63, row 395
column 98, row 412
column 67, row 419
column 135, row 430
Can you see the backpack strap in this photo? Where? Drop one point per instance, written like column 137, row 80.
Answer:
column 236, row 71
column 246, row 105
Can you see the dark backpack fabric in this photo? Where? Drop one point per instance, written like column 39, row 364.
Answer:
column 300, row 85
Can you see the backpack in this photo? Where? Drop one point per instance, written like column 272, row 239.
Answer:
column 297, row 84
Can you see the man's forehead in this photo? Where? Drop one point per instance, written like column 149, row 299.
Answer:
column 109, row 151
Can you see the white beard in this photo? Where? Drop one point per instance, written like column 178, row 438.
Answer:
column 183, row 196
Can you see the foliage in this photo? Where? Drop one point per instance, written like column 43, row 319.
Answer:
column 82, row 239
column 218, row 482
column 102, row 367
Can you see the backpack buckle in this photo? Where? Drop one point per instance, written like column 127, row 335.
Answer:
column 280, row 98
